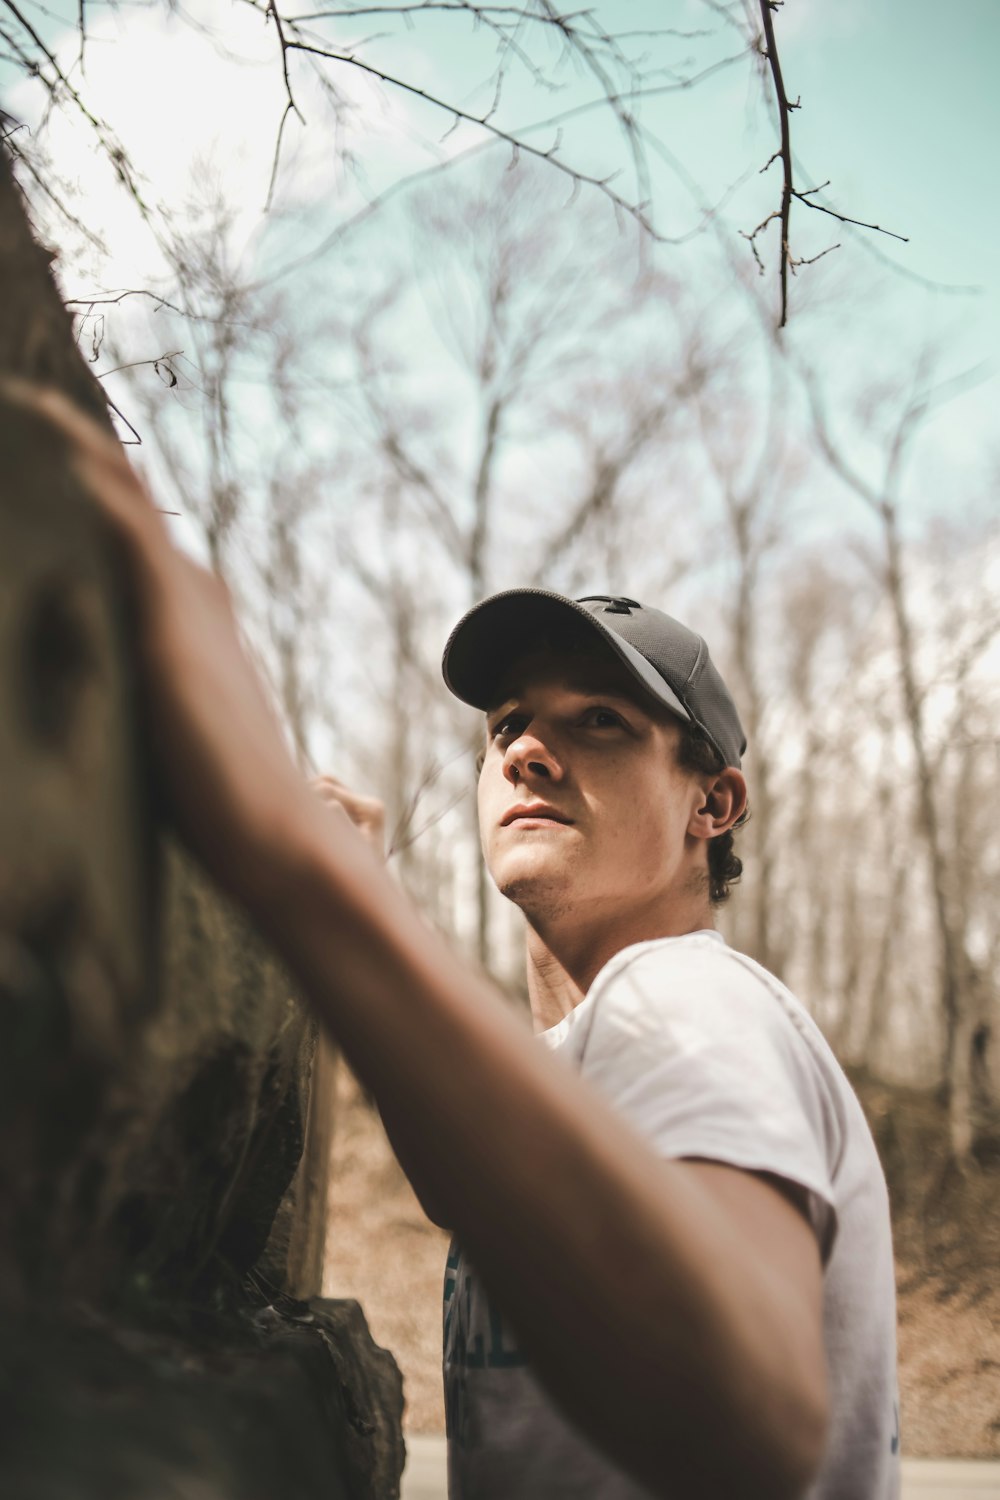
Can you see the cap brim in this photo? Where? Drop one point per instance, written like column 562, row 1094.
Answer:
column 493, row 633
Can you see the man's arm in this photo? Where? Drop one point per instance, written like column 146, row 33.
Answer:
column 673, row 1308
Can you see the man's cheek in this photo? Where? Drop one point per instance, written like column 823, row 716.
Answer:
column 645, row 842
column 486, row 799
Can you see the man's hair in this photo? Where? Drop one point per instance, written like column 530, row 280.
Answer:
column 696, row 753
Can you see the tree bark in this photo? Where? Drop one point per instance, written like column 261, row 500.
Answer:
column 154, row 1064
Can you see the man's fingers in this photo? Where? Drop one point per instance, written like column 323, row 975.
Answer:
column 99, row 460
column 82, row 431
column 367, row 813
column 341, row 792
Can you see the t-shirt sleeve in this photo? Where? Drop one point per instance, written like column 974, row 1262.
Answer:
column 705, row 1060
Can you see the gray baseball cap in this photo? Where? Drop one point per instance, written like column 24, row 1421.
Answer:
column 670, row 661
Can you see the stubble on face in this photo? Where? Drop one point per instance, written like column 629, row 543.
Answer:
column 543, row 896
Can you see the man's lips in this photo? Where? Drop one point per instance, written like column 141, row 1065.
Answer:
column 524, row 810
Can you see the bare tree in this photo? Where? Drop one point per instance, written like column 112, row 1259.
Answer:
column 749, row 454
column 958, row 978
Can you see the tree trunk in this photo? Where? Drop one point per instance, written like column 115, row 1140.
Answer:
column 878, row 995
column 155, row 1064
column 763, row 944
column 953, row 963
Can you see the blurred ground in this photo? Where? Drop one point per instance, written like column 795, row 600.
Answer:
column 947, row 1235
column 949, row 1368
column 384, row 1252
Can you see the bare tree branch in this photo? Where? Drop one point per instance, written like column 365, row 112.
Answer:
column 785, row 153
column 788, row 189
column 114, row 298
column 636, row 211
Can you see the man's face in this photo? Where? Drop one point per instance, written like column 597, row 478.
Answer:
column 577, row 743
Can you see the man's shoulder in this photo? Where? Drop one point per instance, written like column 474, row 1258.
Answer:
column 696, row 968
column 697, row 992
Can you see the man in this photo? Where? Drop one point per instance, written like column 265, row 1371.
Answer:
column 683, row 1278
column 608, row 788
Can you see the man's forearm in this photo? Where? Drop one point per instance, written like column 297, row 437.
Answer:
column 680, row 1364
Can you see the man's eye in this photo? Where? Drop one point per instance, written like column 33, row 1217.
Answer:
column 602, row 718
column 508, row 727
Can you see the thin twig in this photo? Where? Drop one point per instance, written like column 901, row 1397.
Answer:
column 272, row 10
column 53, row 197
column 125, row 442
column 136, row 364
column 809, row 260
column 290, row 105
column 636, row 211
column 112, row 298
column 787, row 186
column 399, row 844
column 844, row 218
column 788, row 189
column 517, row 137
column 109, row 144
column 277, row 155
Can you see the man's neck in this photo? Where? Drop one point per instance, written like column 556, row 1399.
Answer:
column 565, row 958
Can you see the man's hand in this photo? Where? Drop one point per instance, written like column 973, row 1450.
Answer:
column 366, row 813
column 231, row 784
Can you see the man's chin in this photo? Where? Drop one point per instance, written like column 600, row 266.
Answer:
column 535, row 885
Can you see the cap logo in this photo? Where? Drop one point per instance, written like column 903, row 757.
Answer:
column 613, row 605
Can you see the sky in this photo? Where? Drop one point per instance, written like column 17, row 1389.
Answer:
column 912, row 89
column 899, row 107
column 899, row 112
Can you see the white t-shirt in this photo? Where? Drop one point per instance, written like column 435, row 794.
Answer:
column 707, row 1055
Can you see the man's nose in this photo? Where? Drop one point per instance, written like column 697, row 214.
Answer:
column 532, row 757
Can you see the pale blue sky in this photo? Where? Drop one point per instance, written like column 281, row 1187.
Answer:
column 900, row 111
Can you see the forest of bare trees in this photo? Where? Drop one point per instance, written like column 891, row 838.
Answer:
column 493, row 404
column 493, row 380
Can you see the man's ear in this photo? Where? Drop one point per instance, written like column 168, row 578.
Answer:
column 722, row 803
